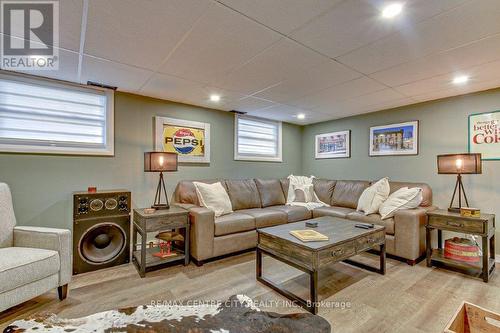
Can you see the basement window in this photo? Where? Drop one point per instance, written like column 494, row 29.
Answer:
column 257, row 139
column 42, row 116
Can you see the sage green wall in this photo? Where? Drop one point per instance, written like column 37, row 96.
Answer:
column 42, row 185
column 443, row 129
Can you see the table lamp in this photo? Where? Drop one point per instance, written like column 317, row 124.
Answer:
column 161, row 162
column 459, row 164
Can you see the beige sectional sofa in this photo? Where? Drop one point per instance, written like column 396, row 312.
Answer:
column 259, row 203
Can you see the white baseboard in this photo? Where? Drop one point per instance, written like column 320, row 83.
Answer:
column 497, row 259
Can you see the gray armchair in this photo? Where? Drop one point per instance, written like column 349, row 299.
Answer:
column 33, row 260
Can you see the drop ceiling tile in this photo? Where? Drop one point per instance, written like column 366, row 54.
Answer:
column 328, row 97
column 283, row 59
column 464, row 24
column 289, row 114
column 250, row 103
column 139, row 35
column 220, row 41
column 70, row 22
column 126, row 78
column 314, row 79
column 67, row 70
column 475, row 53
column 281, row 15
column 354, row 23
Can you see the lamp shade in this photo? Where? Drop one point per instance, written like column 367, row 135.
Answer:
column 459, row 164
column 156, row 161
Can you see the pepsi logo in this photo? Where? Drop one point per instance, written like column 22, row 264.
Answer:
column 183, row 141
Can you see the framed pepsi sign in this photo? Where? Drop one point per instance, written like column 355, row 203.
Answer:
column 189, row 139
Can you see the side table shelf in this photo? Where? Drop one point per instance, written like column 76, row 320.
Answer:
column 161, row 220
column 483, row 226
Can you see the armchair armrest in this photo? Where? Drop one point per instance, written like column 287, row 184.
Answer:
column 202, row 233
column 49, row 239
column 409, row 232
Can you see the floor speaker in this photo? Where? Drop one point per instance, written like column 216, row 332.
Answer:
column 101, row 230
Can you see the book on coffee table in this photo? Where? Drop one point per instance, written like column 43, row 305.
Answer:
column 308, row 235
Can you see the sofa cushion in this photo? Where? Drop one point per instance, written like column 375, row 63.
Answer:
column 324, row 189
column 332, row 211
column 347, row 193
column 22, row 265
column 185, row 191
column 285, row 185
column 375, row 219
column 266, row 217
column 294, row 213
column 233, row 223
column 270, row 191
column 243, row 194
column 426, row 191
column 7, row 217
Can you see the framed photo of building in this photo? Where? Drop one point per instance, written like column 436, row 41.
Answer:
column 394, row 139
column 189, row 139
column 484, row 135
column 333, row 145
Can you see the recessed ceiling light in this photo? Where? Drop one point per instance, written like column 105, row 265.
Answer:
column 215, row 98
column 461, row 79
column 301, row 116
column 392, row 10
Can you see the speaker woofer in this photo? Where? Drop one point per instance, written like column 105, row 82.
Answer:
column 102, row 243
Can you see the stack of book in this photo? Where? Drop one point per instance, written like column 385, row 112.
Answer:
column 309, row 235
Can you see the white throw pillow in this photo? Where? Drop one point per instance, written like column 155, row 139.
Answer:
column 404, row 198
column 214, row 197
column 370, row 200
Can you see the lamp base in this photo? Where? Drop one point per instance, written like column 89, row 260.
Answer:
column 160, row 206
column 454, row 210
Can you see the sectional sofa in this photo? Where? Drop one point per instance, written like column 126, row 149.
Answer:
column 259, row 203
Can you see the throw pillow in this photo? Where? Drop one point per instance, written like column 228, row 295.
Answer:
column 214, row 197
column 404, row 198
column 370, row 200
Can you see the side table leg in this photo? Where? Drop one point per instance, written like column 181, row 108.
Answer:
column 486, row 259
column 258, row 266
column 428, row 246
column 142, row 273
column 186, row 246
column 440, row 239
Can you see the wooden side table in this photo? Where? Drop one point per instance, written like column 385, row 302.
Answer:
column 483, row 226
column 161, row 220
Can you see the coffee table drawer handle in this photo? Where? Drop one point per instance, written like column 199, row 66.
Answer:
column 454, row 224
column 337, row 252
column 370, row 240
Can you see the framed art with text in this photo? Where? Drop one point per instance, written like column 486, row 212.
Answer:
column 484, row 134
column 189, row 139
column 394, row 139
column 333, row 145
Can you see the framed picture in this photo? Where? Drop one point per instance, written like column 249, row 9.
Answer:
column 394, row 139
column 333, row 145
column 189, row 139
column 484, row 134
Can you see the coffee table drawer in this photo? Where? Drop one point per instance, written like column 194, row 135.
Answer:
column 337, row 253
column 366, row 242
column 461, row 225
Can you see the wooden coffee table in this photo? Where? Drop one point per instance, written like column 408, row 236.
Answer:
column 345, row 241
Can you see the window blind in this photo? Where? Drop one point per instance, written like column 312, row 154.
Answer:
column 258, row 139
column 40, row 116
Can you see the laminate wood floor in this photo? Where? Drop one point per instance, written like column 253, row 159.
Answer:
column 407, row 299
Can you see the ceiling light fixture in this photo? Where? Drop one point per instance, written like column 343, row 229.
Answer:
column 392, row 10
column 461, row 79
column 215, row 98
column 301, row 116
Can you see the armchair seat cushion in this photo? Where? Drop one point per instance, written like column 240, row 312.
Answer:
column 233, row 223
column 22, row 265
column 294, row 213
column 332, row 211
column 375, row 219
column 266, row 217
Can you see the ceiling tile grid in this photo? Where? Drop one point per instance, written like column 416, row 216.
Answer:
column 326, row 59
